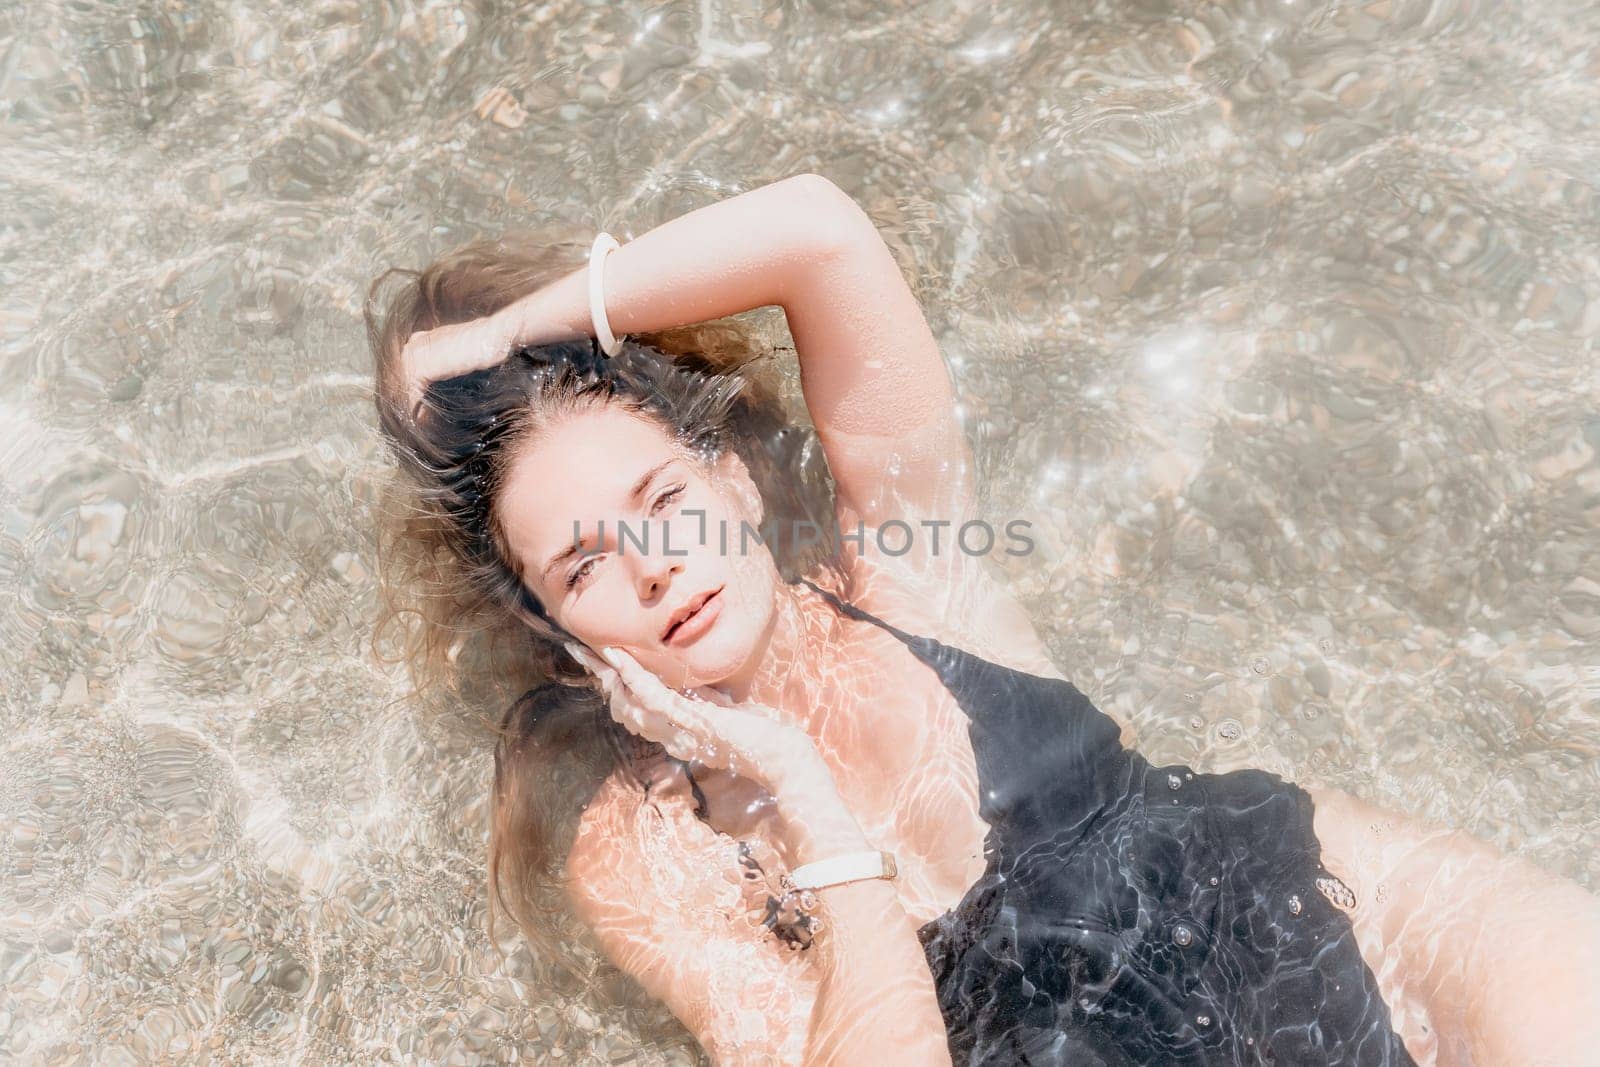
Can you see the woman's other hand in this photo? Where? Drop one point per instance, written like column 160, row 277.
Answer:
column 748, row 739
column 450, row 351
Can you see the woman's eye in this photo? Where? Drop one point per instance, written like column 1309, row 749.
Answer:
column 581, row 573
column 670, row 494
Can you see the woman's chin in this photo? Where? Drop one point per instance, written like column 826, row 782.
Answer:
column 707, row 663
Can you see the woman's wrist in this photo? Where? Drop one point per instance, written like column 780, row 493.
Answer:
column 747, row 251
column 558, row 311
column 817, row 821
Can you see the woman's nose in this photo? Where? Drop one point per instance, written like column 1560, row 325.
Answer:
column 655, row 571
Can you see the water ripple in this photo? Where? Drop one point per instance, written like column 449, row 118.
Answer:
column 1277, row 319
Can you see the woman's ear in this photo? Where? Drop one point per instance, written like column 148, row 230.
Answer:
column 731, row 471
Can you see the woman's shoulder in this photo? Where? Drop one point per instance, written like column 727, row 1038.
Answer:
column 958, row 602
column 664, row 897
column 621, row 823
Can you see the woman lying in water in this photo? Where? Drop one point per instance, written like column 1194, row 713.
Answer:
column 1053, row 897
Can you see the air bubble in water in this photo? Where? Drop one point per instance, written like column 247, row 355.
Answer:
column 1341, row 895
column 1203, row 1020
column 1174, row 782
column 1294, row 905
column 1230, row 730
column 1182, row 936
column 1259, row 665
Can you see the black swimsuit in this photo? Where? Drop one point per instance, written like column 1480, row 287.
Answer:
column 1133, row 914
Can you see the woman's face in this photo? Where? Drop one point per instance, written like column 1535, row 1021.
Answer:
column 586, row 476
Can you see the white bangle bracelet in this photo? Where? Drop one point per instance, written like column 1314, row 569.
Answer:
column 852, row 867
column 604, row 245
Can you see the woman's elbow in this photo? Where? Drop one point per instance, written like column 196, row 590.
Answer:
column 832, row 215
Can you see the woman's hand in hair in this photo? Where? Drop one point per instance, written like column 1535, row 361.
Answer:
column 747, row 739
column 454, row 350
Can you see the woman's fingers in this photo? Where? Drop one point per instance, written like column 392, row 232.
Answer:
column 741, row 738
column 626, row 711
column 714, row 696
column 610, row 681
column 588, row 659
column 458, row 348
column 646, row 708
column 624, row 706
column 654, row 693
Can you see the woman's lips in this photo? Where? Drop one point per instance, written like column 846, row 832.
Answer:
column 698, row 623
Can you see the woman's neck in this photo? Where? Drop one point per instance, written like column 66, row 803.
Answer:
column 787, row 674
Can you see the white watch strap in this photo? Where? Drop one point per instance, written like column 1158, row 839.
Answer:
column 604, row 245
column 851, row 867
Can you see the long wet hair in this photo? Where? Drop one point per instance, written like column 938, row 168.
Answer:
column 454, row 608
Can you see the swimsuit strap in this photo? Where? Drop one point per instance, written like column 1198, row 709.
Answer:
column 867, row 616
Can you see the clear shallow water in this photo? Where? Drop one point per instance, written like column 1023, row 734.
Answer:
column 1279, row 320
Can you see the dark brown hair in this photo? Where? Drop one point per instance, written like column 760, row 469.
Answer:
column 454, row 608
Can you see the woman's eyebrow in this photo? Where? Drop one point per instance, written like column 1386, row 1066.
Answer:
column 572, row 549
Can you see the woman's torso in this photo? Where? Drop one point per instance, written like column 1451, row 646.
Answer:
column 913, row 779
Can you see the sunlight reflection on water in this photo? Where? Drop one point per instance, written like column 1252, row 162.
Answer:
column 1278, row 319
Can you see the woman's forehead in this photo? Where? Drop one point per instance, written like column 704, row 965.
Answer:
column 585, row 469
column 592, row 450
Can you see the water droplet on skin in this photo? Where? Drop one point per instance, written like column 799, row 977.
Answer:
column 1294, row 905
column 1182, row 936
column 1174, row 782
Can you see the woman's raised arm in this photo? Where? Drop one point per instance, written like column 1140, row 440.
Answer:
column 873, row 378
